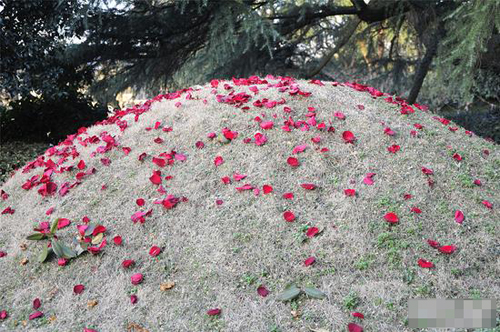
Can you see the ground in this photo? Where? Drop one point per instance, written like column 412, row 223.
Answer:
column 221, row 239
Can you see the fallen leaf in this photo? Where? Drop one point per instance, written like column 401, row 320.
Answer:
column 167, row 285
column 91, row 303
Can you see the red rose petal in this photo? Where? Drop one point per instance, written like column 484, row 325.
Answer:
column 140, row 202
column 136, row 278
column 427, row 171
column 433, row 243
column 308, row 186
column 289, row 216
column 214, row 312
column 487, row 204
column 154, row 251
column 35, row 315
column 133, row 299
column 447, row 249
column 459, row 216
column 78, row 289
column 425, row 264
column 267, row 189
column 349, row 192
column 3, row 314
column 294, row 162
column 352, row 327
column 218, row 161
column 63, row 222
column 156, row 177
column 262, row 291
column 358, row 315
column 36, row 303
column 391, row 217
column 416, row 210
column 128, row 263
column 62, row 261
column 117, row 240
column 309, row 261
column 348, row 137
column 312, row 231
column 394, row 148
column 288, row 195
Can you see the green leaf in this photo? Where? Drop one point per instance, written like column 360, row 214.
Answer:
column 44, row 254
column 289, row 293
column 56, row 246
column 67, row 251
column 89, row 230
column 53, row 227
column 35, row 237
column 314, row 293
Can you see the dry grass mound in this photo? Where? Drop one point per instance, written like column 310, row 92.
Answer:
column 225, row 194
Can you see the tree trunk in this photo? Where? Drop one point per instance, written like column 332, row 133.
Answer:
column 423, row 67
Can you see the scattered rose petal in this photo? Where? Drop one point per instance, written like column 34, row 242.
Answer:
column 459, row 216
column 348, row 137
column 425, row 264
column 63, row 222
column 200, row 145
column 309, row 261
column 35, row 315
column 266, row 125
column 388, row 131
column 352, row 327
column 289, row 216
column 487, row 204
column 416, row 210
column 407, row 197
column 218, row 161
column 477, row 182
column 49, row 211
column 219, row 201
column 267, row 189
column 78, row 289
column 118, row 240
column 260, row 139
column 36, row 303
column 2, row 254
column 312, row 231
column 62, row 261
column 238, row 177
column 214, row 312
column 156, row 177
column 391, row 217
column 393, row 148
column 140, row 201
column 136, row 278
column 226, row 179
column 358, row 315
column 447, row 249
column 262, row 291
column 294, row 162
column 154, row 251
column 3, row 314
column 288, row 195
column 368, row 180
column 133, row 299
column 433, row 243
column 128, row 263
column 427, row 171
column 350, row 192
column 308, row 186
column 457, row 157
column 299, row 148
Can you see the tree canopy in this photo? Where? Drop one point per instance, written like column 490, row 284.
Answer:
column 445, row 48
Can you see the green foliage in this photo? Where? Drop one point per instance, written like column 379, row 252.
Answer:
column 42, row 119
column 469, row 28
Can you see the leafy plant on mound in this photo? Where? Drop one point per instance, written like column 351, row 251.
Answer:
column 357, row 193
column 89, row 235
